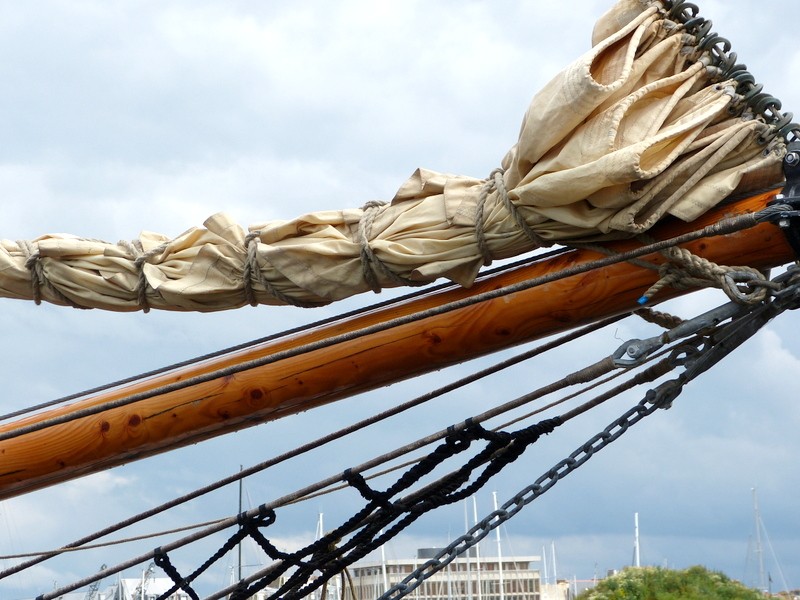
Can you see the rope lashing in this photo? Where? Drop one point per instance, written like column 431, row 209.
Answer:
column 33, row 262
column 251, row 270
column 139, row 259
column 496, row 183
column 371, row 263
column 684, row 270
column 35, row 267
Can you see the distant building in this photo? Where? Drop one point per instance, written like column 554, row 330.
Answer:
column 132, row 589
column 464, row 578
column 139, row 589
column 561, row 590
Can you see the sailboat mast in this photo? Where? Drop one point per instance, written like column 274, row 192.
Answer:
column 383, row 567
column 477, row 546
column 241, row 510
column 762, row 579
column 544, row 564
column 469, row 559
column 636, row 561
column 499, row 553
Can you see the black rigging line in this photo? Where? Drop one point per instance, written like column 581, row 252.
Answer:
column 717, row 229
column 732, row 332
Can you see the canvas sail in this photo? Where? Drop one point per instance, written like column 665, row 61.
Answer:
column 650, row 122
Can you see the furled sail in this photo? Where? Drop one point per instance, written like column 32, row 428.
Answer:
column 655, row 120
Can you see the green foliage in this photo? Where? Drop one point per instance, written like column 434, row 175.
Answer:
column 655, row 583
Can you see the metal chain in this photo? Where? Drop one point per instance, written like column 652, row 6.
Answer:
column 659, row 397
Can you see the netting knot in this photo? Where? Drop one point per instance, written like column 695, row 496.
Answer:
column 357, row 481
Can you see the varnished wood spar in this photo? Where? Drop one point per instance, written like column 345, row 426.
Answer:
column 299, row 383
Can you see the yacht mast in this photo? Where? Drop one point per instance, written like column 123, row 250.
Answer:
column 499, row 553
column 762, row 579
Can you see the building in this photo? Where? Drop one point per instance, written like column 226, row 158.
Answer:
column 467, row 578
column 132, row 589
column 148, row 588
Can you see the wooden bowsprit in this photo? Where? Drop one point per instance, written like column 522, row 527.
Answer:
column 294, row 374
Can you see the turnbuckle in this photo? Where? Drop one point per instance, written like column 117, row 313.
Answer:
column 635, row 351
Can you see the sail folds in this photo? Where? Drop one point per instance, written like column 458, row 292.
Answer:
column 650, row 122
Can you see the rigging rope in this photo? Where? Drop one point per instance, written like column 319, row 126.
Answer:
column 303, row 493
column 324, row 556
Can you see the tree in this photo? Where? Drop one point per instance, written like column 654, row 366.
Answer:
column 656, row 583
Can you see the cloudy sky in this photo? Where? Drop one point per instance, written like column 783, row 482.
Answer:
column 118, row 117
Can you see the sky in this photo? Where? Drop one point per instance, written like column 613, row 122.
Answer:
column 122, row 117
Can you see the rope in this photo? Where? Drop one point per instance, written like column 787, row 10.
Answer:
column 252, row 270
column 717, row 229
column 574, row 377
column 662, row 319
column 368, row 523
column 33, row 262
column 382, row 512
column 685, row 270
column 500, row 186
column 306, row 491
column 654, row 371
column 35, row 267
column 369, row 261
column 496, row 184
column 139, row 259
column 606, row 251
column 119, row 542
